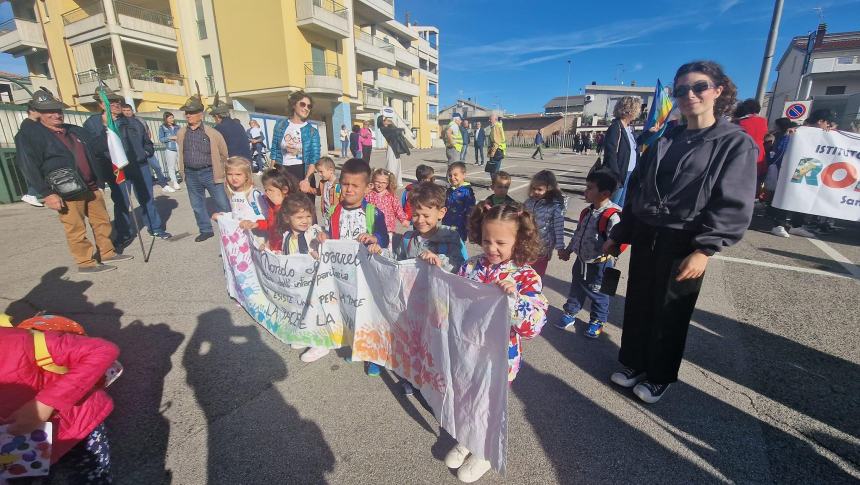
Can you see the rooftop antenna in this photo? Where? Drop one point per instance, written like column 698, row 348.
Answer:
column 820, row 12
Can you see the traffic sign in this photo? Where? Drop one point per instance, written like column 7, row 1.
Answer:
column 797, row 110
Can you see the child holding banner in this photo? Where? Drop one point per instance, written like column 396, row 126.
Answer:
column 510, row 241
column 247, row 203
column 277, row 185
column 355, row 218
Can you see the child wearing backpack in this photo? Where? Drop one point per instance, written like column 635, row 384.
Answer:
column 51, row 372
column 591, row 233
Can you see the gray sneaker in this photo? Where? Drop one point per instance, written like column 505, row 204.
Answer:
column 116, row 258
column 99, row 268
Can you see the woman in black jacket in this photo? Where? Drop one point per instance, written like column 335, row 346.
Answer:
column 691, row 195
column 620, row 152
column 397, row 145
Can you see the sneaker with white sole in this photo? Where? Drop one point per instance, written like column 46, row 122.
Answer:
column 455, row 458
column 314, row 354
column 298, row 346
column 628, row 377
column 177, row 187
column 168, row 189
column 32, row 200
column 799, row 231
column 566, row 322
column 473, row 469
column 779, row 231
column 649, row 391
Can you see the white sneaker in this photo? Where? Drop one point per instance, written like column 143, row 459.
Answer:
column 177, row 187
column 799, row 231
column 779, row 231
column 32, row 200
column 168, row 189
column 456, row 457
column 473, row 469
column 314, row 354
column 298, row 346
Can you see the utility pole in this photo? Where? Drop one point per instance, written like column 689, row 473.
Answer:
column 566, row 96
column 768, row 53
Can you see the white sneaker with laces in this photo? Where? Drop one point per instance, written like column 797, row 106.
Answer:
column 168, row 189
column 779, row 231
column 314, row 354
column 32, row 200
column 799, row 231
column 473, row 469
column 455, row 458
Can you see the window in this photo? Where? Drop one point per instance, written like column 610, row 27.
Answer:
column 835, row 90
column 152, row 64
column 422, row 63
column 201, row 21
column 318, row 58
column 432, row 39
column 210, row 78
column 45, row 70
column 432, row 89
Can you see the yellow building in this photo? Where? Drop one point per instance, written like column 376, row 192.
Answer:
column 351, row 56
column 137, row 47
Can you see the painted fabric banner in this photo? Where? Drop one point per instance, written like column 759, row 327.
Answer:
column 445, row 334
column 820, row 174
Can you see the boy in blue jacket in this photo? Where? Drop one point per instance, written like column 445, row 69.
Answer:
column 460, row 199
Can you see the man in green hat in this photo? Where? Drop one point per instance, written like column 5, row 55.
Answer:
column 202, row 157
column 231, row 129
column 54, row 148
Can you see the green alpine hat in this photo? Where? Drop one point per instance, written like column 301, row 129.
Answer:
column 43, row 100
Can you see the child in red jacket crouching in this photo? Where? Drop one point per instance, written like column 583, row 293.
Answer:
column 75, row 402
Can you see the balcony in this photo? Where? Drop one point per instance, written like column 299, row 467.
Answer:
column 835, row 64
column 406, row 57
column 88, row 81
column 153, row 81
column 372, row 98
column 404, row 85
column 323, row 78
column 375, row 11
column 374, row 51
column 19, row 36
column 324, row 17
column 135, row 22
column 21, row 96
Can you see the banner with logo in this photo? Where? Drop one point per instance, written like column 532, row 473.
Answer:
column 445, row 334
column 820, row 174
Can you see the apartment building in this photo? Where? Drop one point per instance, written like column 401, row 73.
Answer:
column 427, row 109
column 150, row 51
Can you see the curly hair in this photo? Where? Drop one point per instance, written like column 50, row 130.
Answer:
column 628, row 107
column 528, row 246
column 295, row 98
column 728, row 99
column 293, row 203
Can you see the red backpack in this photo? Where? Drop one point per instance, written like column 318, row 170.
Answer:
column 603, row 222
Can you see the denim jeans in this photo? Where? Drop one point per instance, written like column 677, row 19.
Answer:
column 463, row 152
column 344, row 148
column 197, row 182
column 155, row 165
column 621, row 192
column 587, row 278
column 479, row 152
column 170, row 159
column 140, row 179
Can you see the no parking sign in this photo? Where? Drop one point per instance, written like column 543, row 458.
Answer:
column 797, row 111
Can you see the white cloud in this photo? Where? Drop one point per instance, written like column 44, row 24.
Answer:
column 637, row 67
column 725, row 5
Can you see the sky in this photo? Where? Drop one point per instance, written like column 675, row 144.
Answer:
column 513, row 54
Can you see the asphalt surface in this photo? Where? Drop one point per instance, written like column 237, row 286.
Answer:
column 769, row 390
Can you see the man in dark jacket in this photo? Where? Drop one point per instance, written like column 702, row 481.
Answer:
column 53, row 146
column 232, row 131
column 480, row 136
column 538, row 145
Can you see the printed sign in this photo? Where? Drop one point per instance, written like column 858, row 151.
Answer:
column 797, row 111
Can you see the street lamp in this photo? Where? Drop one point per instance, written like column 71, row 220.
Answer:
column 564, row 118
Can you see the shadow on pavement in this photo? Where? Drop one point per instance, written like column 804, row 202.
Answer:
column 254, row 436
column 145, row 352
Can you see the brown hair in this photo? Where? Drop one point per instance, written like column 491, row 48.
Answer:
column 500, row 175
column 279, row 177
column 295, row 98
column 724, row 104
column 392, row 181
column 325, row 161
column 427, row 194
column 292, row 204
column 528, row 246
column 355, row 166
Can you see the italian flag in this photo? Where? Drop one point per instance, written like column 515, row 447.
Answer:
column 117, row 152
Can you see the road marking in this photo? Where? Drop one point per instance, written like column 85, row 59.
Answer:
column 837, row 256
column 781, row 266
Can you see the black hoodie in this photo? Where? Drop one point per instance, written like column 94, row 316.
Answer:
column 712, row 191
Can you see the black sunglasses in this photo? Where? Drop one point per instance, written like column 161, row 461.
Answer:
column 697, row 88
column 306, row 105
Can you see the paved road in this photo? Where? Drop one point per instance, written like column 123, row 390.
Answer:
column 770, row 390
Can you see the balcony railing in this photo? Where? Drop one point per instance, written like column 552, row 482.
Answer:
column 93, row 75
column 372, row 97
column 322, row 69
column 374, row 40
column 332, row 7
column 141, row 13
column 84, row 11
column 153, row 75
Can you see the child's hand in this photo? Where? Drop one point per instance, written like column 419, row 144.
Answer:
column 321, row 237
column 564, row 254
column 375, row 248
column 367, row 239
column 611, row 248
column 29, row 416
column 314, row 254
column 430, row 258
column 248, row 225
column 507, row 286
column 216, row 215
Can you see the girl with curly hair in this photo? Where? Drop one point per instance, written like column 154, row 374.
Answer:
column 510, row 241
column 690, row 196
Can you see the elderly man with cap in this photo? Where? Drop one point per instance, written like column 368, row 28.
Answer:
column 59, row 164
column 138, row 148
column 231, row 129
column 454, row 139
column 202, row 158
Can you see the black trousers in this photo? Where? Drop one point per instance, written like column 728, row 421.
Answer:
column 658, row 309
column 537, row 152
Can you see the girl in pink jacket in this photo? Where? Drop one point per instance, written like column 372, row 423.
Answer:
column 74, row 402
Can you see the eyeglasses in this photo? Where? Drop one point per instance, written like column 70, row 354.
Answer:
column 302, row 104
column 698, row 87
